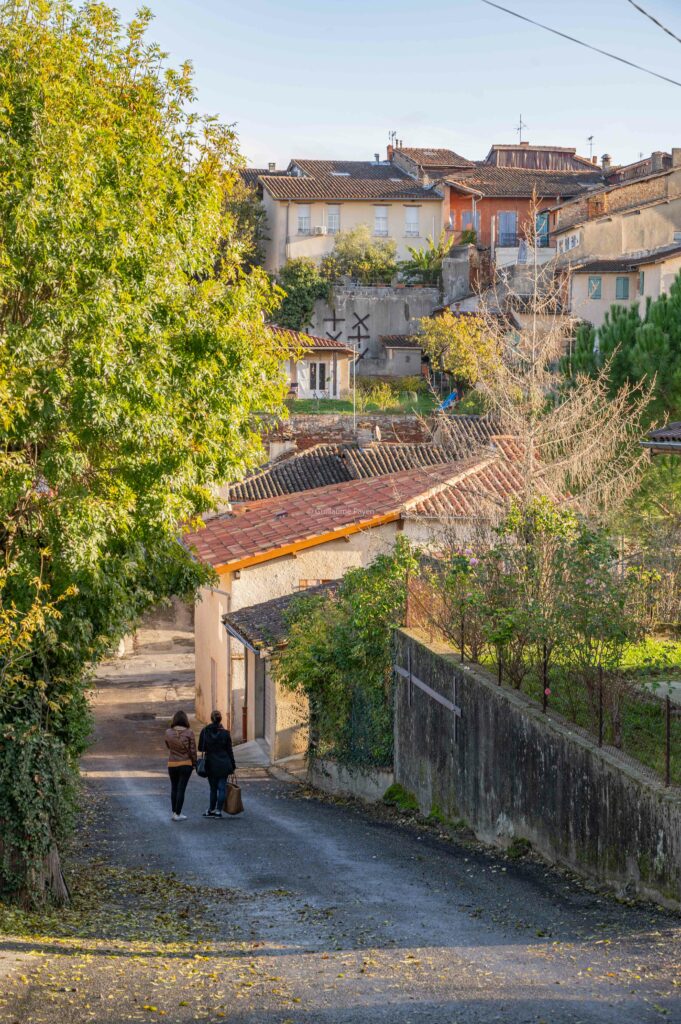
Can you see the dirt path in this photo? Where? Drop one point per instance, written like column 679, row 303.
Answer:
column 308, row 911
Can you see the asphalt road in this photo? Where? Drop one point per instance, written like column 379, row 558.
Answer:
column 344, row 915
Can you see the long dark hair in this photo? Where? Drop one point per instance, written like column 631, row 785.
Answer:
column 180, row 718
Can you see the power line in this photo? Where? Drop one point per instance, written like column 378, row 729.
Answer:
column 654, row 20
column 580, row 42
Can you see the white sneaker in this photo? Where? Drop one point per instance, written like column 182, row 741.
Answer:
column 180, row 817
column 175, row 817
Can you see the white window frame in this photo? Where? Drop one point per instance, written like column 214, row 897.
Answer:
column 381, row 221
column 333, row 219
column 304, row 220
column 411, row 222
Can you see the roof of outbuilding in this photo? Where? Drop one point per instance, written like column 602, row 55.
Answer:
column 339, row 463
column 346, row 179
column 264, row 626
column 489, row 180
column 665, row 439
column 335, row 463
column 258, row 531
column 299, row 339
column 400, row 341
column 250, row 175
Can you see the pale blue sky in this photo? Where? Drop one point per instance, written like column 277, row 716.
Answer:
column 331, row 78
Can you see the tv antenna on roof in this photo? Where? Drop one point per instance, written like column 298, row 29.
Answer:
column 590, row 140
column 392, row 137
column 519, row 129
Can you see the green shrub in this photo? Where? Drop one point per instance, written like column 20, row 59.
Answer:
column 397, row 796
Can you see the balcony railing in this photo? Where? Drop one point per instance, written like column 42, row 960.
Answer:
column 507, row 240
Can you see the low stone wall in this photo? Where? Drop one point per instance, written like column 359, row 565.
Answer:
column 304, row 431
column 510, row 771
column 333, row 778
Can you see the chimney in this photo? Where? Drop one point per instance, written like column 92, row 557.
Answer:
column 271, row 167
column 657, row 161
column 391, row 152
column 524, row 143
column 377, row 157
column 606, row 162
column 594, row 160
column 676, row 157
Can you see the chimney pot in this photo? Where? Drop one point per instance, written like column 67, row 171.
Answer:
column 271, row 167
column 391, row 152
column 377, row 157
column 524, row 143
column 606, row 161
column 594, row 159
column 657, row 159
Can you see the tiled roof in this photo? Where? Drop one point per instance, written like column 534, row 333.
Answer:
column 399, row 341
column 666, row 439
column 250, row 175
column 466, row 435
column 264, row 626
column 490, row 180
column 435, row 157
column 335, row 463
column 258, row 531
column 346, row 179
column 628, row 263
column 312, row 341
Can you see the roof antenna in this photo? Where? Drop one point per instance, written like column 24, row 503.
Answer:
column 519, row 129
column 590, row 140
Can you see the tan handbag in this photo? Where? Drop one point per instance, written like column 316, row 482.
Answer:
column 233, row 803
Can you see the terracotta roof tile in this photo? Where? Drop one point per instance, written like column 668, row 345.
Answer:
column 259, row 529
column 310, row 341
column 346, row 179
column 490, row 180
column 264, row 626
column 435, row 157
column 330, row 463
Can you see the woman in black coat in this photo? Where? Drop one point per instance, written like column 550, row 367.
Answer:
column 215, row 742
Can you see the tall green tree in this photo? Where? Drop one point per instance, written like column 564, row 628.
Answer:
column 638, row 348
column 135, row 370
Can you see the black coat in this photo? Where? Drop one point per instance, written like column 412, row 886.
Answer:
column 216, row 743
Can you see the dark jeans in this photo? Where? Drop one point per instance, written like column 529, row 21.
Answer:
column 179, row 777
column 218, row 787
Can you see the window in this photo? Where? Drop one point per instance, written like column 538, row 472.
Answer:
column 317, row 376
column 333, row 219
column 621, row 287
column 542, row 230
column 411, row 221
column 595, row 288
column 508, row 230
column 641, row 282
column 303, row 220
column 677, row 236
column 380, row 220
column 470, row 221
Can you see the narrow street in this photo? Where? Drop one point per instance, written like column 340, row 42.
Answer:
column 331, row 913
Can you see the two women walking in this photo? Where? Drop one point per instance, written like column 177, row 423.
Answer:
column 215, row 747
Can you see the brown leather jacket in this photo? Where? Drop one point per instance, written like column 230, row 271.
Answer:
column 182, row 746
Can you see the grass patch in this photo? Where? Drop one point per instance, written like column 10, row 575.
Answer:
column 518, row 848
column 397, row 796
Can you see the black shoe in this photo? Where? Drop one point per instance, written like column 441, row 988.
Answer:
column 209, row 814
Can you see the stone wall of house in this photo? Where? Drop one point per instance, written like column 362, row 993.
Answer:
column 513, row 772
column 359, row 316
column 626, row 197
column 300, row 432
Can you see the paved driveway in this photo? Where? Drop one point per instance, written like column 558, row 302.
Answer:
column 341, row 914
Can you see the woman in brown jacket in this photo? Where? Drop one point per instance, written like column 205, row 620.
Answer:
column 181, row 761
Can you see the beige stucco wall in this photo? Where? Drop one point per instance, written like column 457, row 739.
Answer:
column 594, row 310
column 210, row 643
column 613, row 235
column 258, row 583
column 299, row 373
column 658, row 279
column 278, row 248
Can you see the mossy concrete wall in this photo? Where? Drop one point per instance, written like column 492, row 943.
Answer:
column 510, row 771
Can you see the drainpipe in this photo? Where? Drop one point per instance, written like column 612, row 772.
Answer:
column 287, row 252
